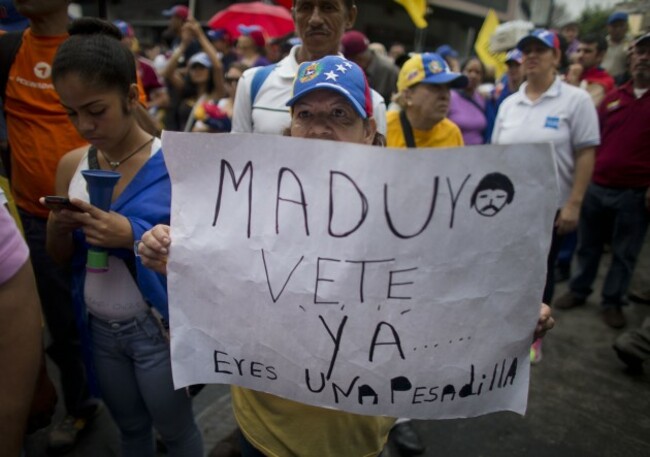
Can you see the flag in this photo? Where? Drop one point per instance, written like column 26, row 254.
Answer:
column 416, row 9
column 496, row 60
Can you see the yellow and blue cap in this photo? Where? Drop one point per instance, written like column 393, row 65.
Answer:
column 337, row 74
column 428, row 68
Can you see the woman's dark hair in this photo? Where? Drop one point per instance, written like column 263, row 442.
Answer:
column 190, row 90
column 563, row 66
column 470, row 59
column 94, row 52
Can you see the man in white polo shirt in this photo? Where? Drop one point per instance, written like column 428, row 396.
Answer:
column 260, row 103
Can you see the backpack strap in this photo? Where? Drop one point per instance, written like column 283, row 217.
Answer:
column 258, row 80
column 407, row 129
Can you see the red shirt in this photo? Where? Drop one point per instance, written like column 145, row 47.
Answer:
column 150, row 79
column 599, row 76
column 623, row 158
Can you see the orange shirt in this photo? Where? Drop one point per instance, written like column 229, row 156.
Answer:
column 38, row 127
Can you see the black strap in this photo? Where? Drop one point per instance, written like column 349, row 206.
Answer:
column 472, row 101
column 9, row 45
column 93, row 163
column 407, row 129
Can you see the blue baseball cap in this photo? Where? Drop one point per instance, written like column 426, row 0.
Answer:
column 514, row 55
column 546, row 37
column 10, row 19
column 337, row 74
column 428, row 68
column 218, row 34
column 617, row 16
column 446, row 50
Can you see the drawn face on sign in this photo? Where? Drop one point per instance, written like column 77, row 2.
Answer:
column 492, row 194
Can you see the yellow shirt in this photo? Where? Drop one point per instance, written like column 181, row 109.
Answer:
column 279, row 427
column 445, row 134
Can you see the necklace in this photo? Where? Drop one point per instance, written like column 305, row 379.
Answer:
column 117, row 163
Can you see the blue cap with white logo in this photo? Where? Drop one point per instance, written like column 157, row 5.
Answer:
column 337, row 74
column 514, row 55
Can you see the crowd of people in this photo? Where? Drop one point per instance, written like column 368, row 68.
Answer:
column 106, row 97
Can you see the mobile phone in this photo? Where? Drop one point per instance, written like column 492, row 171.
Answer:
column 56, row 202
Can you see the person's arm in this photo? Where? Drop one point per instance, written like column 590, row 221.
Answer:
column 20, row 355
column 596, row 92
column 567, row 220
column 217, row 66
column 171, row 73
column 545, row 322
column 153, row 249
column 107, row 229
column 585, row 136
column 59, row 226
column 574, row 74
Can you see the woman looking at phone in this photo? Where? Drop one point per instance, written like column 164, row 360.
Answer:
column 126, row 346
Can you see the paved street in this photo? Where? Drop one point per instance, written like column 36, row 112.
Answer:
column 581, row 404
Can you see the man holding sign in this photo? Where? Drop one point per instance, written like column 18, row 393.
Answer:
column 330, row 102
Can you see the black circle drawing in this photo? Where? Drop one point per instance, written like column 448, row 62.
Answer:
column 492, row 194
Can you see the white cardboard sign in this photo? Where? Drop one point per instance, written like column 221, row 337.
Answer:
column 371, row 280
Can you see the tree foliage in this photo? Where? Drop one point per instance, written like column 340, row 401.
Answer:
column 594, row 20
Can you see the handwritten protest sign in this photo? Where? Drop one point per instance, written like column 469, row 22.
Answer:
column 376, row 281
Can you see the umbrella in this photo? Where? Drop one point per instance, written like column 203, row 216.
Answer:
column 286, row 3
column 275, row 20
